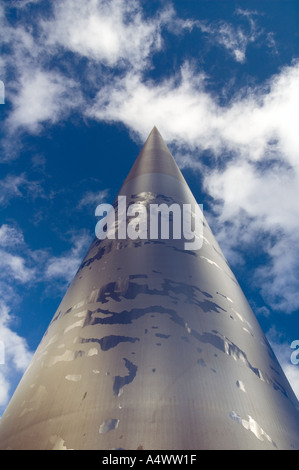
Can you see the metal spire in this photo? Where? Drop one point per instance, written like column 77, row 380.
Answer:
column 154, row 346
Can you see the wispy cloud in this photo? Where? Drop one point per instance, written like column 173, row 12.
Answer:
column 64, row 267
column 91, row 199
column 10, row 236
column 15, row 266
column 236, row 39
column 14, row 186
column 17, row 258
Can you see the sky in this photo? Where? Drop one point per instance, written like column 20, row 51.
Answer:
column 84, row 82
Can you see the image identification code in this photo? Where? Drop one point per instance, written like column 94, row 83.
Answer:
column 158, row 459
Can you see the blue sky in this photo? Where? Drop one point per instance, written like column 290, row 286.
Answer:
column 85, row 82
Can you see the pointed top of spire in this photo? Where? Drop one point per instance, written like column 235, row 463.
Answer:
column 155, row 157
column 154, row 129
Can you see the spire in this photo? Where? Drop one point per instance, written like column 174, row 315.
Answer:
column 153, row 346
column 155, row 157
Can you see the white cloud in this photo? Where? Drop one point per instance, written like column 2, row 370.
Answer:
column 91, row 199
column 10, row 187
column 13, row 186
column 264, row 122
column 10, row 236
column 14, row 261
column 64, row 267
column 253, row 126
column 42, row 97
column 104, row 31
column 4, row 389
column 181, row 111
column 16, row 355
column 264, row 182
column 14, row 266
column 37, row 93
column 278, row 280
column 115, row 33
column 16, row 349
column 236, row 39
column 243, row 186
column 17, row 258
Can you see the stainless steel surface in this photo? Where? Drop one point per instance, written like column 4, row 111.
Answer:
column 153, row 347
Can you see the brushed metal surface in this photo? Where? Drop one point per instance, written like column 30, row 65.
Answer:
column 154, row 347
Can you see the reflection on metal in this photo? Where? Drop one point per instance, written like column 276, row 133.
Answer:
column 240, row 385
column 108, row 425
column 252, row 426
column 152, row 347
column 73, row 377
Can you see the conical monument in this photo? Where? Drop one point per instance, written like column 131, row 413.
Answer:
column 154, row 345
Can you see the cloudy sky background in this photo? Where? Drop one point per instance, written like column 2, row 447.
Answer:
column 85, row 82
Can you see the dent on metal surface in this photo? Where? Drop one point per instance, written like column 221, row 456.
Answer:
column 154, row 347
